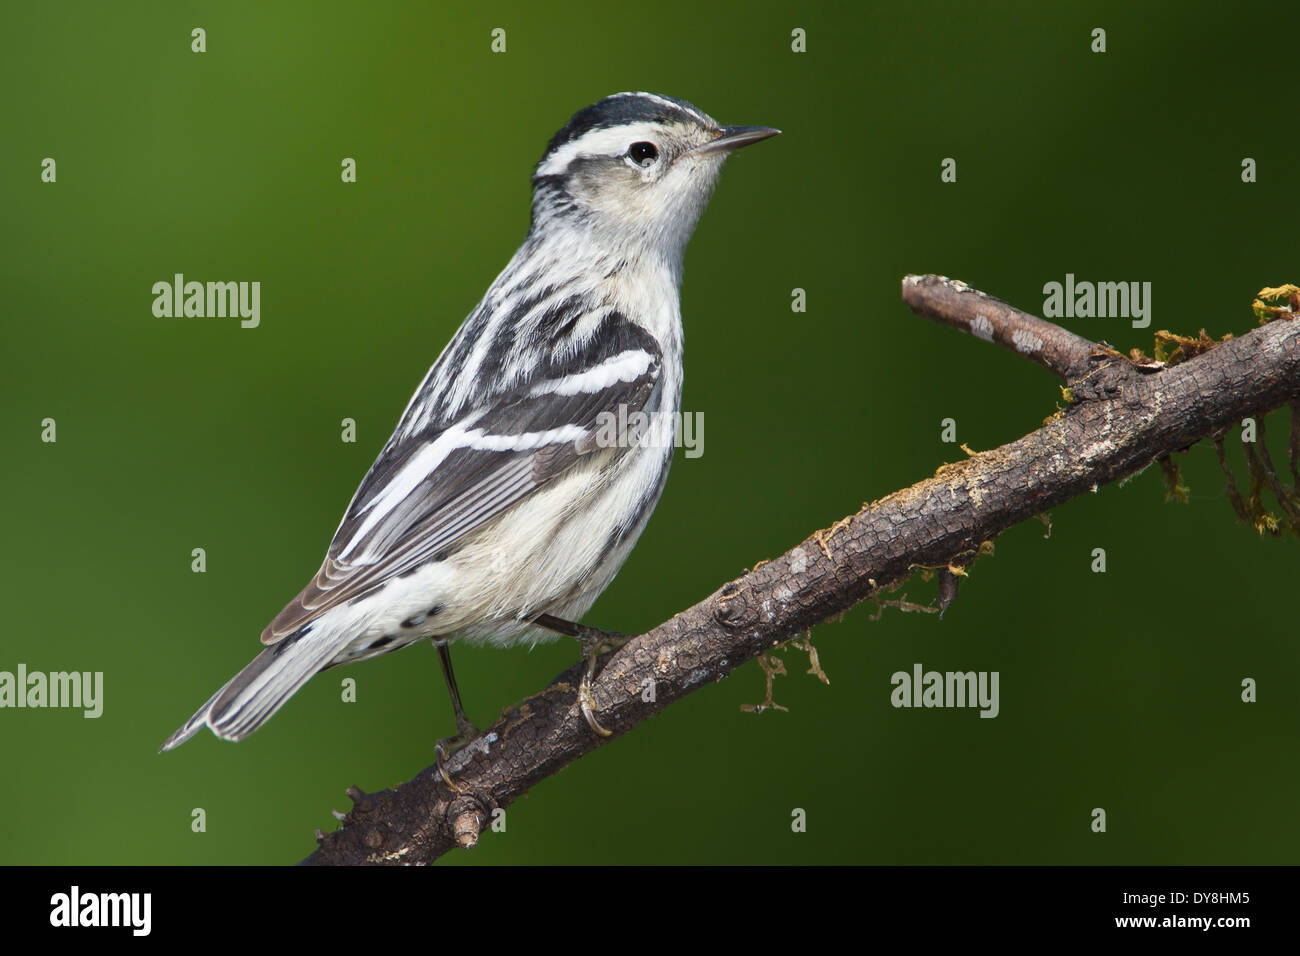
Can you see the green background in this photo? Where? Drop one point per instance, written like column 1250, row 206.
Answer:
column 1118, row 690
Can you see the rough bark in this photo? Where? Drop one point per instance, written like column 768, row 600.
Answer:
column 1122, row 415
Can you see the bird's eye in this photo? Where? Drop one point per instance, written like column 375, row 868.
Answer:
column 643, row 154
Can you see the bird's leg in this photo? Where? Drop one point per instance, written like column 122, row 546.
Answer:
column 594, row 642
column 465, row 729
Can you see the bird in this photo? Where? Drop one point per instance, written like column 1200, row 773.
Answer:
column 517, row 480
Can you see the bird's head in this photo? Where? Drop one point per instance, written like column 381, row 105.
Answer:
column 635, row 169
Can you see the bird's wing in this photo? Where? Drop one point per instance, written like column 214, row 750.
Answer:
column 426, row 491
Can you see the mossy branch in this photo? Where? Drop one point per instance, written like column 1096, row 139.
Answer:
column 1124, row 414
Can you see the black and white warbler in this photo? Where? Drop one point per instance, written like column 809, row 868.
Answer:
column 494, row 515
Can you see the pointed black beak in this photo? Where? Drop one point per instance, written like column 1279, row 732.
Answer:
column 734, row 137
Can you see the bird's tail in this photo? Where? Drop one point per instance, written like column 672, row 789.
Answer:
column 251, row 697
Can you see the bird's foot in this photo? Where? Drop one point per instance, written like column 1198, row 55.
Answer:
column 593, row 642
column 444, row 748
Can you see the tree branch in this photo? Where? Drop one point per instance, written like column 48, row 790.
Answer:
column 955, row 304
column 1122, row 416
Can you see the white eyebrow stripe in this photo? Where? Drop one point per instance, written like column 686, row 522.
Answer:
column 607, row 141
column 623, row 367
